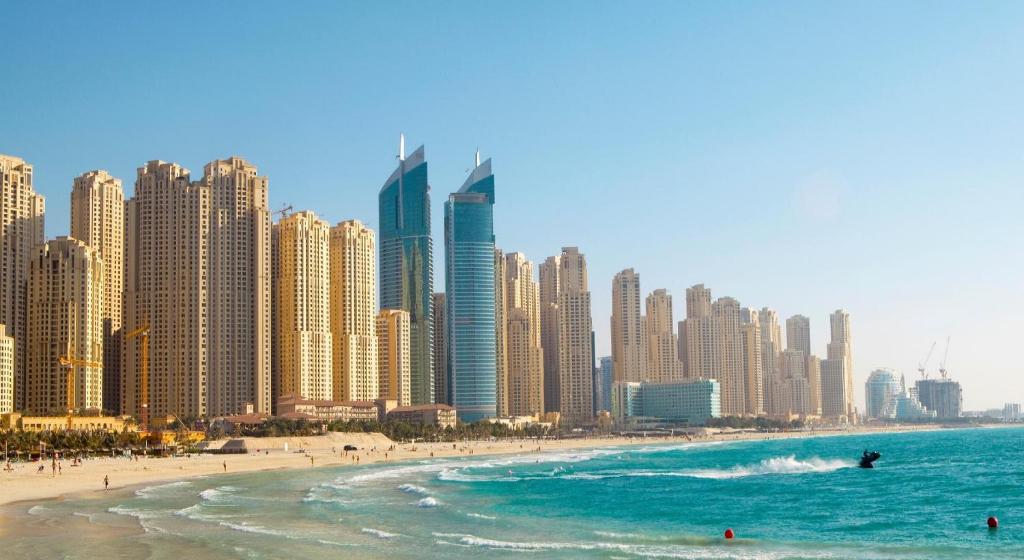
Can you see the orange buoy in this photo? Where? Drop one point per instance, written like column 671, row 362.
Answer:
column 729, row 534
column 993, row 523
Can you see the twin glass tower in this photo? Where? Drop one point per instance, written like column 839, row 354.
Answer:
column 406, row 281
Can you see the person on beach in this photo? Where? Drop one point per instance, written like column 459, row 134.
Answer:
column 106, row 482
column 225, row 466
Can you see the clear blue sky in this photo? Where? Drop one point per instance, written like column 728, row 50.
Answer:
column 800, row 155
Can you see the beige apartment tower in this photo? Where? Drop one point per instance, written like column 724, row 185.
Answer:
column 501, row 310
column 663, row 365
column 198, row 276
column 6, row 371
column 771, row 347
column 394, row 356
column 728, row 345
column 301, row 362
column 753, row 367
column 575, row 340
column 549, row 289
column 354, row 322
column 525, row 354
column 21, row 232
column 837, row 371
column 97, row 218
column 65, row 320
column 629, row 341
column 696, row 334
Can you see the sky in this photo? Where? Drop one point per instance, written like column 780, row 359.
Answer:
column 804, row 156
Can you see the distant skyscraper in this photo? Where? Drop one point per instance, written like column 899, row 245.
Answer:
column 549, row 332
column 407, row 262
column 302, row 320
column 575, row 349
column 663, row 365
column 353, row 312
column 6, row 371
column 21, row 232
column 837, row 371
column 198, row 275
column 523, row 334
column 441, row 395
column 771, row 346
column 798, row 334
column 469, row 290
column 629, row 342
column 394, row 359
column 728, row 353
column 753, row 367
column 501, row 333
column 880, row 393
column 605, row 376
column 814, row 384
column 97, row 218
column 941, row 396
column 65, row 319
column 696, row 333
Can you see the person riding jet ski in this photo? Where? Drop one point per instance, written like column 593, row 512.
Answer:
column 868, row 458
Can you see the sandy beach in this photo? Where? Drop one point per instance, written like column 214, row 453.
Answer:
column 28, row 484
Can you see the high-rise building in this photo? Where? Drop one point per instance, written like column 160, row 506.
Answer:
column 394, row 355
column 21, row 231
column 880, row 393
column 525, row 355
column 942, row 396
column 771, row 347
column 696, row 334
column 353, row 304
column 798, row 334
column 65, row 320
column 501, row 317
column 837, row 371
column 753, row 367
column 97, row 218
column 728, row 353
column 6, row 371
column 794, row 374
column 198, row 275
column 629, row 342
column 441, row 395
column 302, row 359
column 549, row 332
column 575, row 343
column 469, row 291
column 663, row 365
column 605, row 377
column 407, row 262
column 814, row 384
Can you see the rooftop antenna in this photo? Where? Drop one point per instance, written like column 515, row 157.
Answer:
column 401, row 146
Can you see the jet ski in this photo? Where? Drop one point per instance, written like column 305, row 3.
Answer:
column 868, row 458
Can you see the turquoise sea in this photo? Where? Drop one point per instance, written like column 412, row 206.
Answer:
column 928, row 498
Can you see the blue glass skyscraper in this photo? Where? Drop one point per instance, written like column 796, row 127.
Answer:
column 469, row 281
column 407, row 263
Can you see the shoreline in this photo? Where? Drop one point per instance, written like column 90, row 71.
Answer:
column 26, row 487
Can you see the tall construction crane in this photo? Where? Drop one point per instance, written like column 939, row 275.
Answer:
column 283, row 212
column 945, row 355
column 921, row 366
column 143, row 334
column 71, row 364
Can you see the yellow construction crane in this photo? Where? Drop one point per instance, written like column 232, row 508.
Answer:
column 143, row 334
column 71, row 364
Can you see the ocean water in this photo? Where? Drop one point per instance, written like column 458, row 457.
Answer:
column 928, row 498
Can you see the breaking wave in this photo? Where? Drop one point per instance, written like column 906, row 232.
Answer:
column 775, row 465
column 413, row 489
column 428, row 502
column 378, row 533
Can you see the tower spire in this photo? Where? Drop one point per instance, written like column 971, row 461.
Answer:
column 478, row 157
column 401, row 146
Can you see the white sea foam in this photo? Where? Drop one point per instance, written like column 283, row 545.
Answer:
column 378, row 533
column 213, row 494
column 149, row 491
column 413, row 489
column 138, row 513
column 428, row 502
column 481, row 516
column 775, row 465
column 36, row 510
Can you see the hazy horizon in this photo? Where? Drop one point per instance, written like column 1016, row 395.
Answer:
column 823, row 156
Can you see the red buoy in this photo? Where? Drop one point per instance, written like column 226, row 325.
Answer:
column 993, row 523
column 729, row 534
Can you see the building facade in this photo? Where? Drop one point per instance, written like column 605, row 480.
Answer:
column 575, row 339
column 441, row 395
column 21, row 232
column 837, row 371
column 548, row 276
column 470, row 296
column 880, row 392
column 753, row 367
column 407, row 262
column 353, row 315
column 728, row 354
column 394, row 356
column 942, row 396
column 65, row 324
column 692, row 402
column 501, row 318
column 97, row 218
column 6, row 371
column 629, row 342
column 663, row 365
column 525, row 355
column 301, row 274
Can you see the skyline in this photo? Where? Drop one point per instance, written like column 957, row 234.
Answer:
column 909, row 228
